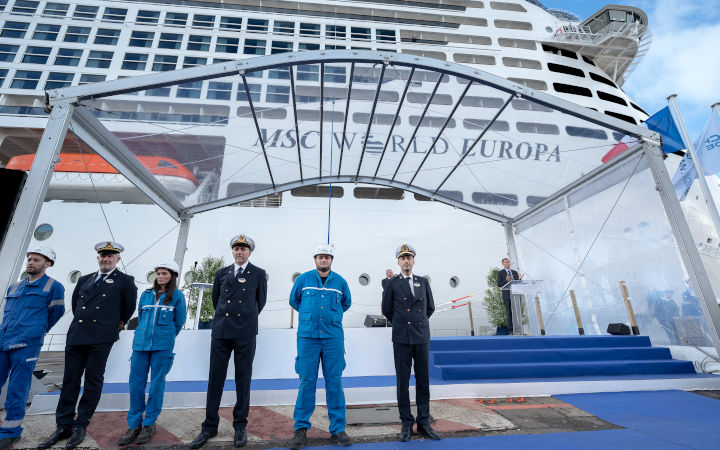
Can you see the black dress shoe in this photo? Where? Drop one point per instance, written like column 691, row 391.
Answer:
column 59, row 434
column 202, row 438
column 299, row 439
column 428, row 432
column 8, row 442
column 129, row 436
column 240, row 438
column 341, row 439
column 405, row 433
column 78, row 435
column 145, row 435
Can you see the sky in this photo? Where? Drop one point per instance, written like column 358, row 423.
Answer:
column 684, row 57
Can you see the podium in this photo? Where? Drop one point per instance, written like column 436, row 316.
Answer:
column 519, row 290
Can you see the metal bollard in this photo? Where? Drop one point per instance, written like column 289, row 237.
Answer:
column 629, row 308
column 472, row 325
column 292, row 317
column 581, row 330
column 539, row 314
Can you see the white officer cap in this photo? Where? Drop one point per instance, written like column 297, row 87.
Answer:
column 405, row 249
column 325, row 249
column 108, row 247
column 170, row 265
column 242, row 239
column 44, row 251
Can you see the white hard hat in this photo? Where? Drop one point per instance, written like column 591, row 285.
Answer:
column 45, row 251
column 168, row 264
column 325, row 249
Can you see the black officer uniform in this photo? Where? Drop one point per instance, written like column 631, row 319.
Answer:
column 99, row 308
column 237, row 300
column 409, row 314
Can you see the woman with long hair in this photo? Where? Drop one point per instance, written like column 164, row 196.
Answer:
column 161, row 316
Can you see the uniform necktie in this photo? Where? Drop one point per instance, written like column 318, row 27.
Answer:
column 410, row 280
column 239, row 271
column 100, row 279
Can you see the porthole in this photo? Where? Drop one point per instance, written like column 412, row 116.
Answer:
column 267, row 276
column 427, row 277
column 23, row 275
column 188, row 277
column 43, row 231
column 548, row 29
column 364, row 279
column 295, row 276
column 74, row 276
column 150, row 277
column 454, row 282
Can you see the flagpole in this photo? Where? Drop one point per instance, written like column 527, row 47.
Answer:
column 709, row 201
column 716, row 108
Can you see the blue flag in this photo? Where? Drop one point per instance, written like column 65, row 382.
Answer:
column 663, row 123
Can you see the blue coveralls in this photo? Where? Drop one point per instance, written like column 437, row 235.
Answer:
column 158, row 325
column 31, row 309
column 320, row 337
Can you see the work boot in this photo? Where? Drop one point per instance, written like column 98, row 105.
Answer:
column 129, row 436
column 59, row 434
column 299, row 439
column 341, row 439
column 145, row 435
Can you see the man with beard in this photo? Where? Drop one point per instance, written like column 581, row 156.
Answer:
column 321, row 297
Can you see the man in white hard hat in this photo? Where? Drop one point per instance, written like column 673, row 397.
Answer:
column 320, row 296
column 33, row 306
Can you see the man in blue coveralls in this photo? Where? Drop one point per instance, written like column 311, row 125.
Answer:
column 321, row 297
column 32, row 307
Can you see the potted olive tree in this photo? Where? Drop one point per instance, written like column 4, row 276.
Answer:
column 202, row 273
column 494, row 304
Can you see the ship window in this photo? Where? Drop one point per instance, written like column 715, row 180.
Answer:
column 68, row 57
column 334, row 74
column 8, row 52
column 91, row 78
column 638, row 108
column 46, row 32
column 431, row 122
column 227, row 45
column 318, row 191
column 22, row 276
column 85, row 12
column 199, row 43
column 537, row 128
column 203, row 21
column 77, row 34
column 482, row 102
column 313, row 115
column 135, row 61
column 36, row 55
column 590, row 133
column 57, row 80
column 3, row 74
column 538, row 85
column 309, row 29
column 284, row 27
column 364, row 279
column 520, row 104
column 533, row 200
column 99, row 59
column 43, row 231
column 14, row 30
column 611, row 98
column 25, row 7
column 55, row 9
column 280, row 47
column 617, row 135
column 467, row 58
column 254, row 47
column 306, row 72
column 232, row 23
column 158, row 92
column 176, row 19
column 306, row 46
column 163, row 63
column 114, row 15
column 295, row 276
column 559, row 51
column 25, row 79
column 521, row 62
column 360, row 33
column 107, row 36
column 171, row 41
column 262, row 113
column 454, row 282
column 220, row 60
column 601, row 79
column 621, row 117
column 422, row 98
column 335, row 47
column 150, row 17
column 588, row 60
column 190, row 90
column 559, row 68
column 219, row 90
column 335, row 31
column 572, row 89
column 379, row 193
column 481, row 124
column 513, row 25
column 491, row 198
column 141, row 39
column 517, row 43
column 427, row 54
column 385, row 35
column 378, row 119
column 151, row 276
column 504, row 6
column 74, row 276
column 253, row 89
column 279, row 74
column 260, row 25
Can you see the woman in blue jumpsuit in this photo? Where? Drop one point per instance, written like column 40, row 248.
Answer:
column 161, row 316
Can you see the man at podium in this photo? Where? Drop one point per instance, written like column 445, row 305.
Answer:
column 505, row 276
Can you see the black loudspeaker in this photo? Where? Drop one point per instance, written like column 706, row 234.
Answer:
column 619, row 329
column 375, row 321
column 11, row 184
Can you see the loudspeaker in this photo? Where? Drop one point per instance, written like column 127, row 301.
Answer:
column 619, row 329
column 11, row 184
column 375, row 321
